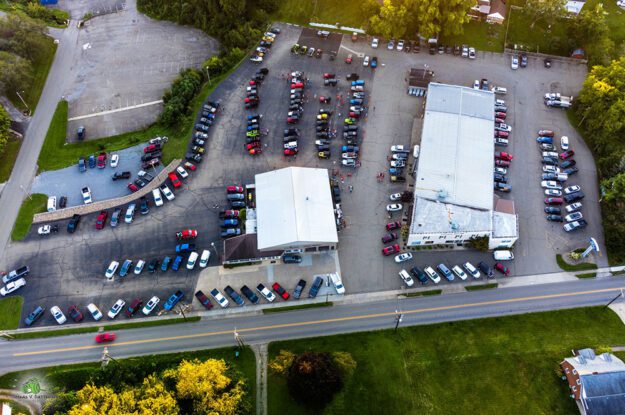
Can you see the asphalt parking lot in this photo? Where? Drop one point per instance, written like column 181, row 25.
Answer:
column 128, row 60
column 69, row 181
column 70, row 268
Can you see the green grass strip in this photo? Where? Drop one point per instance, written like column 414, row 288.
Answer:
column 80, row 330
column 587, row 275
column 8, row 157
column 571, row 268
column 10, row 311
column 424, row 293
column 297, row 307
column 36, row 203
column 481, row 287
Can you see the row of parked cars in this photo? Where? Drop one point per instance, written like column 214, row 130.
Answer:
column 502, row 137
column 557, row 167
column 98, row 161
column 398, row 160
column 297, row 81
column 263, row 48
column 429, row 273
column 350, row 151
column 266, row 293
column 324, row 130
column 74, row 312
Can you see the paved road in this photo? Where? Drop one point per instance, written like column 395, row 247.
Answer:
column 309, row 323
column 26, row 164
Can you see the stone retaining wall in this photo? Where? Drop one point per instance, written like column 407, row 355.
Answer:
column 67, row 213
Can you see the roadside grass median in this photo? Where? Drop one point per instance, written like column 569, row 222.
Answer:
column 8, row 157
column 430, row 368
column 423, row 293
column 297, row 307
column 35, row 203
column 586, row 275
column 110, row 327
column 481, row 287
column 10, row 312
column 572, row 268
column 57, row 154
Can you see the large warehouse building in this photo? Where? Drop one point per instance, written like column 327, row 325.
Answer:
column 454, row 196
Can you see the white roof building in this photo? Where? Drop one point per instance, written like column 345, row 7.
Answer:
column 454, row 193
column 294, row 209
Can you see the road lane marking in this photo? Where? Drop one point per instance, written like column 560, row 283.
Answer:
column 326, row 321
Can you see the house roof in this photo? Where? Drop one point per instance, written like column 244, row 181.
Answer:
column 245, row 247
column 456, row 160
column 294, row 208
column 604, row 393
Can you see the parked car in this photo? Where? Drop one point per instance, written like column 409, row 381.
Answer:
column 486, row 269
column 150, row 305
column 280, row 291
column 116, row 308
column 471, row 270
column 135, row 305
column 315, row 286
column 573, row 226
column 265, row 293
column 502, row 268
column 75, row 313
column 173, row 300
column 58, row 315
column 203, row 299
column 73, row 223
column 299, row 288
column 249, row 294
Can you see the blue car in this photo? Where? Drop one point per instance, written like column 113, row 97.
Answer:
column 356, row 101
column 395, row 171
column 125, row 267
column 176, row 264
column 360, row 82
column 251, row 117
column 173, row 300
column 353, row 149
column 374, row 62
column 314, row 288
column 165, row 263
column 92, row 161
column 82, row 166
column 229, row 222
column 182, row 248
column 548, row 140
column 445, row 271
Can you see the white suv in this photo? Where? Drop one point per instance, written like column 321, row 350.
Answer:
column 432, row 274
column 403, row 274
column 168, row 194
column 151, row 305
column 375, row 42
column 338, row 284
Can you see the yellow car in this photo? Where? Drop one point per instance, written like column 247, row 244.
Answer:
column 268, row 39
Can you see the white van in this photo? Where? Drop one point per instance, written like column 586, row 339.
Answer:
column 403, row 274
column 459, row 272
column 500, row 90
column 432, row 274
column 52, row 204
column 338, row 284
column 503, row 255
column 158, row 200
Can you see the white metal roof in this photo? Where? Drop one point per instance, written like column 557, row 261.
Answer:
column 294, row 208
column 457, row 147
column 437, row 217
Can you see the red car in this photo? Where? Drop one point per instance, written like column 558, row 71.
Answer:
column 231, row 214
column 292, row 120
column 553, row 201
column 151, row 148
column 567, row 154
column 100, row 221
column 187, row 234
column 175, row 181
column 501, row 115
column 502, row 163
column 501, row 120
column 502, row 155
column 251, row 100
column 290, row 151
column 329, row 76
column 253, row 144
column 502, row 268
column 297, row 85
column 349, row 58
column 391, row 249
column 325, row 100
column 255, row 151
column 502, row 134
column 203, row 299
column 102, row 161
column 132, row 187
column 234, row 189
column 393, row 225
column 105, row 337
column 354, row 114
column 74, row 313
column 280, row 291
column 389, row 237
column 190, row 166
column 252, row 83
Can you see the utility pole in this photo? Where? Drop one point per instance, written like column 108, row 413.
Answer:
column 106, row 357
column 614, row 299
column 208, row 75
column 398, row 319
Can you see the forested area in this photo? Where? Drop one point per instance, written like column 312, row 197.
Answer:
column 600, row 114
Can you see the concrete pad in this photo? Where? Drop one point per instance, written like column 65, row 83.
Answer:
column 619, row 308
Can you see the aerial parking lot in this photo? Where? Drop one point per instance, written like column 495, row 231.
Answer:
column 69, row 268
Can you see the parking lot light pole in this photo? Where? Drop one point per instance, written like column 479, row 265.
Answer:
column 208, row 75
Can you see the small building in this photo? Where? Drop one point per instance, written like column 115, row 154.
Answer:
column 597, row 383
column 418, row 80
column 574, row 7
column 454, row 195
column 493, row 11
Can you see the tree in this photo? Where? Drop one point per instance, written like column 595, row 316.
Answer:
column 614, row 188
column 15, row 72
column 345, row 363
column 60, row 404
column 5, row 124
column 547, row 10
column 479, row 242
column 102, row 400
column 207, row 386
column 282, row 362
column 590, row 31
column 391, row 21
column 314, row 379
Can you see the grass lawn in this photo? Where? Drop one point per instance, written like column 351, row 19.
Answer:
column 479, row 35
column 79, row 330
column 540, row 37
column 36, row 203
column 578, row 267
column 10, row 311
column 8, row 157
column 481, row 287
column 424, row 293
column 73, row 377
column 587, row 275
column 506, row 365
column 41, row 67
column 321, row 11
column 56, row 154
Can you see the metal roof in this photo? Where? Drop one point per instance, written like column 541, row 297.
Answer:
column 294, row 208
column 437, row 217
column 456, row 160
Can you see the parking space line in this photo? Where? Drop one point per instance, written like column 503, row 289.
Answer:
column 96, row 114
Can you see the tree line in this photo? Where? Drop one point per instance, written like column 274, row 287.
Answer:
column 600, row 113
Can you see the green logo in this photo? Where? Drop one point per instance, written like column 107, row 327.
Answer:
column 31, row 386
